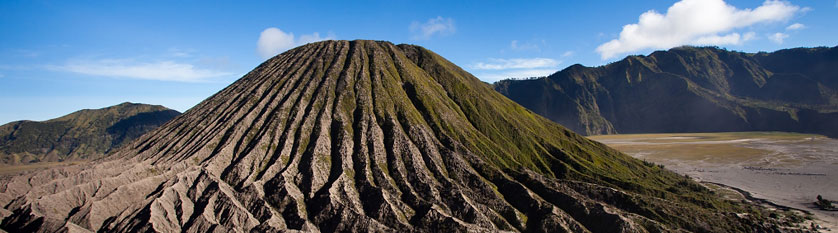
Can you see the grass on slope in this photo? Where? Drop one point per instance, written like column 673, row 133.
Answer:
column 514, row 137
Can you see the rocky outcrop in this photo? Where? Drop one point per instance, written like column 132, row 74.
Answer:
column 691, row 89
column 82, row 135
column 365, row 136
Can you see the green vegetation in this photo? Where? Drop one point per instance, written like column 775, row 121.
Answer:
column 85, row 134
column 691, row 89
column 425, row 146
column 515, row 138
column 153, row 171
column 824, row 204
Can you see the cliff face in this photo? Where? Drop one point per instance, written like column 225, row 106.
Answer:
column 365, row 136
column 689, row 89
column 85, row 134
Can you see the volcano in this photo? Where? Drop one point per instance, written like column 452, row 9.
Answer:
column 365, row 136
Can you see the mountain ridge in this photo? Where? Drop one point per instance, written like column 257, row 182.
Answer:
column 691, row 89
column 83, row 134
column 366, row 136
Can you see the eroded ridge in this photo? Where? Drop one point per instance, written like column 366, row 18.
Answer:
column 363, row 136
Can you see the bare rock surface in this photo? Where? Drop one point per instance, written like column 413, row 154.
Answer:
column 372, row 137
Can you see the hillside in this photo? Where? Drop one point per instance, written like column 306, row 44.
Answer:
column 691, row 89
column 85, row 134
column 366, row 136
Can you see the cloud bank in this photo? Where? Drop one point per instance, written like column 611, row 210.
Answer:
column 273, row 41
column 515, row 63
column 126, row 68
column 433, row 27
column 702, row 22
column 497, row 69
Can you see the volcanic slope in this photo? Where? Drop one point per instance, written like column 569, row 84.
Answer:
column 365, row 136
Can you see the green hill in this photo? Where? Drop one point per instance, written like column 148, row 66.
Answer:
column 85, row 134
column 691, row 89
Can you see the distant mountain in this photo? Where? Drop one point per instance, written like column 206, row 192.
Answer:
column 366, row 136
column 691, row 89
column 85, row 134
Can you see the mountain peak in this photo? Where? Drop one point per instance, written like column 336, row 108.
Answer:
column 692, row 89
column 366, row 136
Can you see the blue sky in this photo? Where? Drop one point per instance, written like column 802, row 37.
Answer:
column 60, row 56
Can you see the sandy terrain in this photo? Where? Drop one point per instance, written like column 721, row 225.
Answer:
column 784, row 168
column 9, row 170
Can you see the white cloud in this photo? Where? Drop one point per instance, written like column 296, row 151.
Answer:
column 567, row 54
column 515, row 63
column 732, row 38
column 434, row 26
column 127, row 68
column 314, row 37
column 497, row 69
column 749, row 36
column 515, row 45
column 704, row 22
column 796, row 26
column 778, row 37
column 273, row 41
column 514, row 74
